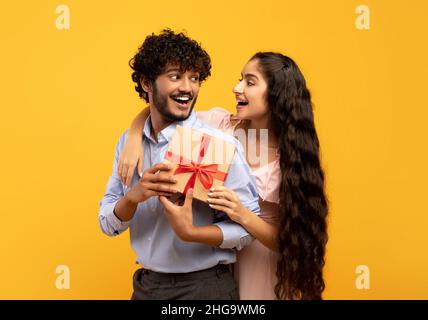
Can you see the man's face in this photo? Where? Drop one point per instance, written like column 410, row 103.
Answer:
column 174, row 93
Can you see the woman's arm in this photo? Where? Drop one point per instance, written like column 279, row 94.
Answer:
column 132, row 154
column 263, row 231
column 225, row 200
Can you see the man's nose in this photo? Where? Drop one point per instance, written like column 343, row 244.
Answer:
column 185, row 85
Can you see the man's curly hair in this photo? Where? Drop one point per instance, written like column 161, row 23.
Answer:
column 168, row 48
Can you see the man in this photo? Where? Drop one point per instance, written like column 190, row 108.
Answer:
column 184, row 250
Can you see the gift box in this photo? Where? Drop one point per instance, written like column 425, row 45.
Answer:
column 200, row 161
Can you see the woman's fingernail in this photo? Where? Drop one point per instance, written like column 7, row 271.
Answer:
column 212, row 189
column 210, row 194
column 211, row 205
column 208, row 200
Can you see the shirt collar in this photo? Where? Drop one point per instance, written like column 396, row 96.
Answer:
column 167, row 133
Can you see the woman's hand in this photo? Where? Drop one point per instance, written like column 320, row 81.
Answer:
column 131, row 156
column 225, row 200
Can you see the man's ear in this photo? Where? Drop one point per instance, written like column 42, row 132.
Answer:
column 147, row 86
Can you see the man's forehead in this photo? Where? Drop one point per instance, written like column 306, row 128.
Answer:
column 177, row 67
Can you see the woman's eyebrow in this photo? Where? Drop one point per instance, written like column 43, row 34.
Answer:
column 250, row 75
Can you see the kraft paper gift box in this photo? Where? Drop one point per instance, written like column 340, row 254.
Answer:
column 200, row 161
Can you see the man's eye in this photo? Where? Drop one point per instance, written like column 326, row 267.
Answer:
column 195, row 78
column 174, row 77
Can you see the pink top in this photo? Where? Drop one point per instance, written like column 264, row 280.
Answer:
column 255, row 269
column 222, row 119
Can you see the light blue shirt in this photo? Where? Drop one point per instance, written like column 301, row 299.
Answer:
column 154, row 241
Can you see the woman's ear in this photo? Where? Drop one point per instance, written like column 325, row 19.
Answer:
column 147, row 86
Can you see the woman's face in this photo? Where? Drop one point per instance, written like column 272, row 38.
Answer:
column 250, row 93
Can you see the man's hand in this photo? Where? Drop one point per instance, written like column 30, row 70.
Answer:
column 180, row 217
column 152, row 184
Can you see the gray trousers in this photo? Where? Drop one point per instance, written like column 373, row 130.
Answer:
column 216, row 283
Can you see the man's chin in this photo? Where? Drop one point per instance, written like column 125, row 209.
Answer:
column 182, row 113
column 178, row 115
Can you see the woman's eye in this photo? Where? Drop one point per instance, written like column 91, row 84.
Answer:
column 250, row 84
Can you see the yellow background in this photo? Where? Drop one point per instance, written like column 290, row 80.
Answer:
column 66, row 96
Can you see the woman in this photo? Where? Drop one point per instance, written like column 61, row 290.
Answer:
column 287, row 258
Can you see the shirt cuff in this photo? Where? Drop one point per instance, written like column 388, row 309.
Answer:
column 234, row 235
column 113, row 221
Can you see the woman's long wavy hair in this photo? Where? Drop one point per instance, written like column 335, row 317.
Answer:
column 303, row 204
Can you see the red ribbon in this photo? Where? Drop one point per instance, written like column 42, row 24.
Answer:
column 206, row 173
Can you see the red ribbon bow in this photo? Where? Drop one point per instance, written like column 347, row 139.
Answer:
column 206, row 173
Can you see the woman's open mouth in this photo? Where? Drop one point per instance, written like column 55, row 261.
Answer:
column 241, row 104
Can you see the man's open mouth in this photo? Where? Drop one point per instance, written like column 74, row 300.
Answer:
column 182, row 100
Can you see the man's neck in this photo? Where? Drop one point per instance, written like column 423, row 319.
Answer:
column 158, row 122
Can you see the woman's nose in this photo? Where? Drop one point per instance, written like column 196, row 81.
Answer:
column 238, row 88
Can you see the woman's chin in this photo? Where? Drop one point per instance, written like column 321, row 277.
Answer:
column 241, row 113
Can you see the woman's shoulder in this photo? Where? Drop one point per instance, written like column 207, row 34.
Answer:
column 213, row 113
column 218, row 117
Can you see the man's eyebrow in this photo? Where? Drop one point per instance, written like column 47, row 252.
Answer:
column 172, row 69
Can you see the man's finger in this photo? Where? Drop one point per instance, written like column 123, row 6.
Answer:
column 168, row 205
column 166, row 194
column 160, row 167
column 167, row 179
column 189, row 199
column 158, row 187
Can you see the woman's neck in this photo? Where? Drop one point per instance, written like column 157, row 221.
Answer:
column 264, row 122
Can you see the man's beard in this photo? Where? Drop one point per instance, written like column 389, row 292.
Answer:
column 161, row 104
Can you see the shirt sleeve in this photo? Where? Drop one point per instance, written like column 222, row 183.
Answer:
column 109, row 223
column 241, row 180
